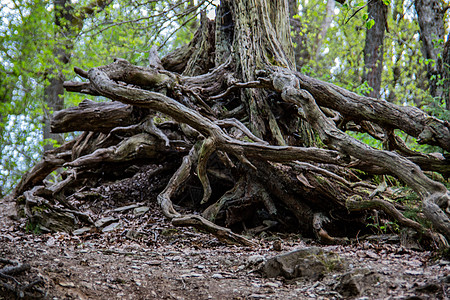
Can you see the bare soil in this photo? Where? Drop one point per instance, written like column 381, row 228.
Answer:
column 145, row 257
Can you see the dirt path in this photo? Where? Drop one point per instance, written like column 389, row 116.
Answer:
column 146, row 258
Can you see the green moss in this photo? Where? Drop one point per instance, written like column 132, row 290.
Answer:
column 332, row 262
column 38, row 209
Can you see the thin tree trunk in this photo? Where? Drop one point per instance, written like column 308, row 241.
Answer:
column 331, row 4
column 298, row 37
column 68, row 21
column 54, row 90
column 373, row 51
column 430, row 14
column 446, row 73
column 305, row 50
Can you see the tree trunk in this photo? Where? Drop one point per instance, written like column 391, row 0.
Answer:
column 430, row 15
column 68, row 22
column 373, row 50
column 331, row 4
column 446, row 73
column 305, row 49
column 54, row 90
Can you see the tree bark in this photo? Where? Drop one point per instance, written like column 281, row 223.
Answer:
column 373, row 50
column 446, row 74
column 430, row 15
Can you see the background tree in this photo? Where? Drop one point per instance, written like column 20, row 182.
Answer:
column 430, row 16
column 90, row 32
column 373, row 49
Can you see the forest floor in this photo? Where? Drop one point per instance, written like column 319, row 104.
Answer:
column 142, row 256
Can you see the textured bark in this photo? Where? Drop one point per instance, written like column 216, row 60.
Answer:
column 352, row 106
column 94, row 116
column 196, row 57
column 430, row 15
column 446, row 74
column 373, row 49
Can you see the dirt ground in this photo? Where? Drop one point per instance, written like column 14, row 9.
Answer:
column 144, row 257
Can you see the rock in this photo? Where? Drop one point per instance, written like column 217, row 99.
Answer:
column 348, row 286
column 125, row 208
column 430, row 288
column 134, row 235
column 141, row 210
column 217, row 276
column 272, row 284
column 413, row 272
column 82, row 230
column 311, row 263
column 50, row 220
column 192, row 275
column 111, row 227
column 255, row 260
column 67, row 284
column 443, row 262
column 277, row 246
column 257, row 296
column 105, row 221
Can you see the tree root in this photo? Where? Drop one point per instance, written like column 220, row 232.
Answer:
column 211, row 135
column 222, row 233
column 322, row 235
column 356, row 203
column 206, row 149
column 17, row 289
column 430, row 191
column 51, row 161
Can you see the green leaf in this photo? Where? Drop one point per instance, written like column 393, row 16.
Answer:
column 370, row 23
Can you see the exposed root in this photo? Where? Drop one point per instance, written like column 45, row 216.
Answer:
column 236, row 192
column 407, row 171
column 356, row 203
column 180, row 176
column 236, row 123
column 139, row 145
column 206, row 149
column 18, row 289
column 222, row 233
column 321, row 234
column 242, row 151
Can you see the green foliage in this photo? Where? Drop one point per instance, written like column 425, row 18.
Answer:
column 414, row 213
column 367, row 139
column 412, row 144
column 34, row 49
column 436, row 107
column 370, row 23
column 382, row 227
column 34, row 228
